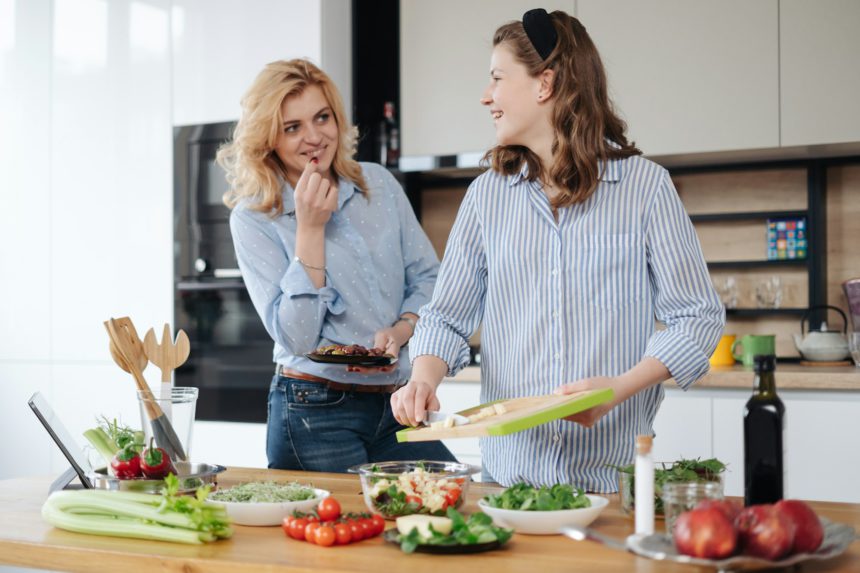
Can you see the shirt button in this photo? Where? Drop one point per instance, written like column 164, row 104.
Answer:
column 557, row 356
column 555, row 314
column 554, row 272
column 556, row 438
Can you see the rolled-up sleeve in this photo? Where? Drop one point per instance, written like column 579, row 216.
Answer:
column 456, row 309
column 420, row 263
column 291, row 307
column 685, row 299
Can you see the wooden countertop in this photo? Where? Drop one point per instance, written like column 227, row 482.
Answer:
column 26, row 540
column 788, row 377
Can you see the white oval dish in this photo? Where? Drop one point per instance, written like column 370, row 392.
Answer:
column 545, row 522
column 260, row 514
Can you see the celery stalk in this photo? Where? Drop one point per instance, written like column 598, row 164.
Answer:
column 111, row 526
column 103, row 445
column 126, row 514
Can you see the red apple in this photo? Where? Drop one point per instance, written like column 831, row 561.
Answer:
column 705, row 533
column 729, row 508
column 808, row 532
column 764, row 532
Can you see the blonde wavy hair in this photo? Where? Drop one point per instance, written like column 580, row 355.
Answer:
column 253, row 168
column 584, row 119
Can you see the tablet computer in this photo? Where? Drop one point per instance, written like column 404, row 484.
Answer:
column 61, row 437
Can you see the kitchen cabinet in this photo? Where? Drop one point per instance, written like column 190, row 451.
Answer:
column 821, row 430
column 819, row 49
column 445, row 49
column 220, row 46
column 691, row 76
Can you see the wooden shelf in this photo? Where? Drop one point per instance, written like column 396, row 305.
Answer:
column 746, row 216
column 713, row 265
column 757, row 312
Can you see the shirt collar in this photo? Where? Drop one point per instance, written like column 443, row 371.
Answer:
column 610, row 170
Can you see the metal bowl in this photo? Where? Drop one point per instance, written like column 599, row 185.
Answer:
column 191, row 476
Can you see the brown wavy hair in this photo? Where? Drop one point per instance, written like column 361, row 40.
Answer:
column 253, row 168
column 584, row 119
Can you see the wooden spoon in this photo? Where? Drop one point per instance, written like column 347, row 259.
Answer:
column 127, row 350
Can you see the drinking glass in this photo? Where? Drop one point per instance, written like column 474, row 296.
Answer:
column 768, row 293
column 854, row 347
column 679, row 497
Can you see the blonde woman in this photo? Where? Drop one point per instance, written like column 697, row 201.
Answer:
column 331, row 253
column 568, row 248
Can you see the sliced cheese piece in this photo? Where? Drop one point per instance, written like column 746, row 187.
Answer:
column 449, row 422
column 500, row 409
column 422, row 523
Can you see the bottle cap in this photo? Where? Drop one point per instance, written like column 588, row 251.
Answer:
column 764, row 362
column 643, row 444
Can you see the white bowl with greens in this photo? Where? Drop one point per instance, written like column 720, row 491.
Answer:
column 542, row 510
column 267, row 503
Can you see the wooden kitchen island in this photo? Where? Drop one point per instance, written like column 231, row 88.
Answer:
column 26, row 540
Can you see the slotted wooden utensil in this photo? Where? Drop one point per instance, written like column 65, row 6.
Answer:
column 168, row 355
column 127, row 351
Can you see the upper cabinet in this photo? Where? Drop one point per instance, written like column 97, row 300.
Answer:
column 691, row 76
column 819, row 71
column 445, row 49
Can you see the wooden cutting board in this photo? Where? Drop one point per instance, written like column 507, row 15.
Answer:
column 521, row 414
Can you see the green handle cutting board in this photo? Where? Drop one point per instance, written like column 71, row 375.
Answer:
column 521, row 414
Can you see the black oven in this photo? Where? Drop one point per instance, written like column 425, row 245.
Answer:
column 231, row 352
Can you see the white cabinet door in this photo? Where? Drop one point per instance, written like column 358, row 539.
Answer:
column 683, row 427
column 453, row 397
column 445, row 49
column 821, row 432
column 690, row 76
column 819, row 71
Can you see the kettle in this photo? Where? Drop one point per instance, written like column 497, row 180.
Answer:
column 822, row 345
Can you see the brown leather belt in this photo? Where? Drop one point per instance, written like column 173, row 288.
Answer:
column 338, row 386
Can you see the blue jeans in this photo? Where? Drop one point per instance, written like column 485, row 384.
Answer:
column 314, row 428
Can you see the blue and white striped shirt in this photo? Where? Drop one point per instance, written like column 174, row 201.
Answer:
column 379, row 264
column 562, row 301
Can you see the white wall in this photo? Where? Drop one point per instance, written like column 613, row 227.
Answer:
column 89, row 92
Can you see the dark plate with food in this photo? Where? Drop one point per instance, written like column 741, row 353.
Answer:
column 452, row 548
column 354, row 354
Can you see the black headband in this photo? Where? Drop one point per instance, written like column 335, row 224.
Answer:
column 541, row 32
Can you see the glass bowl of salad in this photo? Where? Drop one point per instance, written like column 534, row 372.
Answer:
column 393, row 489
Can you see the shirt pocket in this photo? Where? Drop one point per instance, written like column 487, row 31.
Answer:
column 610, row 271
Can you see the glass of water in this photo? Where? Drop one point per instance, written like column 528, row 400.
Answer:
column 854, row 347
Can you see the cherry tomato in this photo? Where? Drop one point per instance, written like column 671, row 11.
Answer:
column 342, row 533
column 310, row 528
column 297, row 528
column 414, row 499
column 356, row 530
column 378, row 524
column 325, row 535
column 328, row 509
column 285, row 525
column 452, row 495
column 312, row 518
column 367, row 527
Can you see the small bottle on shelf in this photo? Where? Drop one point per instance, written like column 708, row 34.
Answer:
column 644, row 486
column 392, row 150
column 764, row 437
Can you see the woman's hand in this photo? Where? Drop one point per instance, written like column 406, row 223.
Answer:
column 410, row 404
column 315, row 198
column 590, row 417
column 391, row 340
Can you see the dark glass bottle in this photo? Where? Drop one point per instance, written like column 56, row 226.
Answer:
column 391, row 156
column 764, row 446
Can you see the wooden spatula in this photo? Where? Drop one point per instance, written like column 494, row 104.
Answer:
column 128, row 353
column 168, row 355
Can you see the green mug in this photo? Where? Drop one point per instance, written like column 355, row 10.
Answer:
column 747, row 346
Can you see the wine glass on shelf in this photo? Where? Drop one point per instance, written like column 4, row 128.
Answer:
column 854, row 347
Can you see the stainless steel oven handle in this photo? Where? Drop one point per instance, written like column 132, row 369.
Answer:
column 227, row 273
column 189, row 286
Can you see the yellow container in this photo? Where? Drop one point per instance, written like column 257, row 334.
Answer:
column 722, row 356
